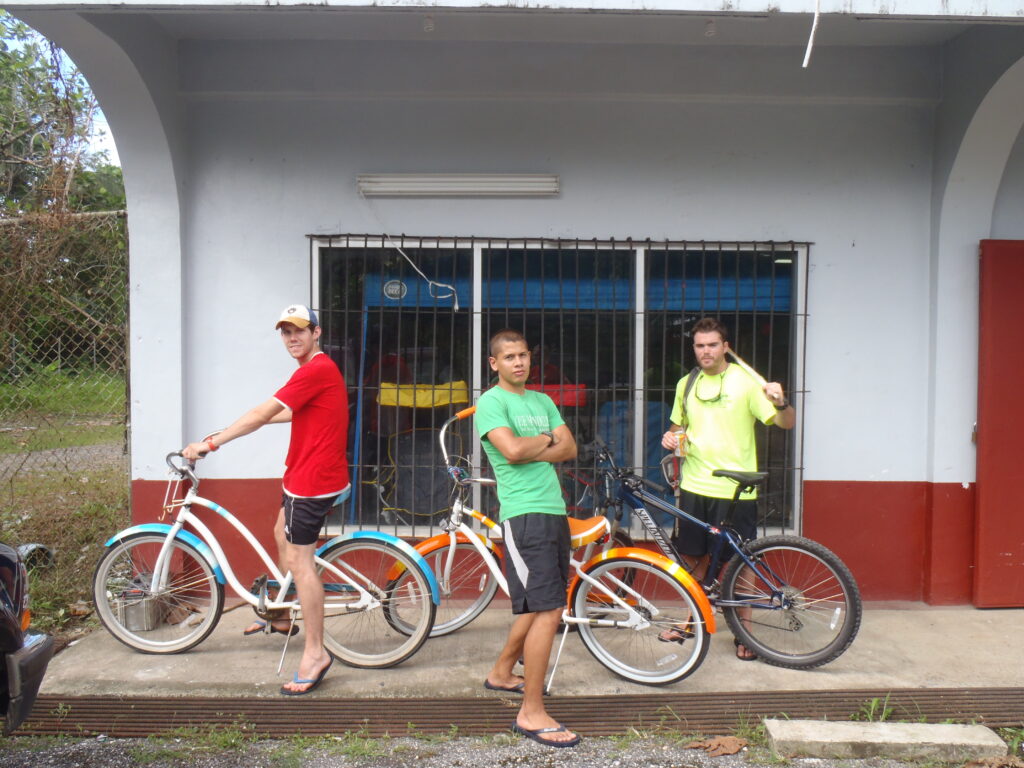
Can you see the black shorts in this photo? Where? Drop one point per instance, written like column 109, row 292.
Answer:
column 537, row 561
column 304, row 517
column 689, row 539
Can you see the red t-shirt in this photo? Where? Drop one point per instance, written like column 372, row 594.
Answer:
column 316, row 464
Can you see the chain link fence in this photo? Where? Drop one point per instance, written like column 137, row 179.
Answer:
column 63, row 358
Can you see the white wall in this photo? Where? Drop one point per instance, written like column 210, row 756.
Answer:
column 1008, row 217
column 851, row 173
column 261, row 141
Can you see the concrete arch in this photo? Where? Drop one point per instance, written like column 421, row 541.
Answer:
column 130, row 64
column 965, row 218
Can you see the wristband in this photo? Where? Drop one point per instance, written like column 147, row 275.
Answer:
column 784, row 406
column 211, row 446
column 551, row 436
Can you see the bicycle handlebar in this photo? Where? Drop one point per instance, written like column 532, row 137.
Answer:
column 186, row 470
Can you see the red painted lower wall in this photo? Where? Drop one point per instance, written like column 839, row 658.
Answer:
column 903, row 541
column 254, row 502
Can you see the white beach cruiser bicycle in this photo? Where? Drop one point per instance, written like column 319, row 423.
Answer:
column 159, row 587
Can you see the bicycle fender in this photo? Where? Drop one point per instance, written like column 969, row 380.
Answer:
column 440, row 541
column 387, row 538
column 671, row 567
column 186, row 536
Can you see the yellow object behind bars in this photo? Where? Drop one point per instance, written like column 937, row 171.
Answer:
column 423, row 395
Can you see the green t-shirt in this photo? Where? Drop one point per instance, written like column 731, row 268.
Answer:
column 522, row 488
column 720, row 432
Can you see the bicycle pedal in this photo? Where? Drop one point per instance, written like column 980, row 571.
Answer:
column 259, row 588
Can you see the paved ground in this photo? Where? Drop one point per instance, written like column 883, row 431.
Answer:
column 899, row 646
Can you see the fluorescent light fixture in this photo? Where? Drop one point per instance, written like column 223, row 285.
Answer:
column 458, row 184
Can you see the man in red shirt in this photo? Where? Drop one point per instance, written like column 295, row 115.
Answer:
column 315, row 401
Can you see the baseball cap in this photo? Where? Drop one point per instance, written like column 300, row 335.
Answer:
column 299, row 315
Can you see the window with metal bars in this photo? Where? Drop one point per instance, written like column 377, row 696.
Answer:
column 408, row 319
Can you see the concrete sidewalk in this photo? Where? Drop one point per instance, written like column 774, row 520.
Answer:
column 899, row 646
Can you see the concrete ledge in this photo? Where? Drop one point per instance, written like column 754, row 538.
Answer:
column 820, row 738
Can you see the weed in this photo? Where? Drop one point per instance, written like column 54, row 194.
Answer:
column 874, row 711
column 147, row 754
column 450, row 735
column 753, row 732
column 358, row 744
column 74, row 516
column 292, row 753
column 1014, row 738
column 213, row 737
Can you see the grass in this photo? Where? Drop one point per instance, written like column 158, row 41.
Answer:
column 874, row 711
column 1014, row 738
column 49, row 408
column 73, row 514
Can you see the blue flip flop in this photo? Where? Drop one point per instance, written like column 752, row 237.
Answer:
column 538, row 734
column 303, row 681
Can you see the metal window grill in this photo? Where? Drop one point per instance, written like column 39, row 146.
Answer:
column 407, row 319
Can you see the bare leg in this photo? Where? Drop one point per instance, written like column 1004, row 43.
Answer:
column 536, row 646
column 310, row 589
column 501, row 673
column 277, row 618
column 744, row 582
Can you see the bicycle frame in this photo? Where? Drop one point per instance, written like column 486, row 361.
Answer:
column 352, row 582
column 636, row 619
column 636, row 497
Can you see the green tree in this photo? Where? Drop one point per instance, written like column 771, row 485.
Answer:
column 46, row 118
column 63, row 260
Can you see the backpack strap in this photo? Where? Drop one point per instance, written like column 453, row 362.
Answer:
column 691, row 379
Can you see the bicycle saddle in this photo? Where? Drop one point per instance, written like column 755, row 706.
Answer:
column 743, row 478
column 587, row 530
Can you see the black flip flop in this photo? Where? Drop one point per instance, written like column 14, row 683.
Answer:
column 537, row 736
column 737, row 643
column 517, row 688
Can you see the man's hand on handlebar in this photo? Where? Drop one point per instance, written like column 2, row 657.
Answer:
column 194, row 451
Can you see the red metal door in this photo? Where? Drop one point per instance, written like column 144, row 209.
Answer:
column 999, row 511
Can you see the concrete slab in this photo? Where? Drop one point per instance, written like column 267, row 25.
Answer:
column 898, row 647
column 898, row 741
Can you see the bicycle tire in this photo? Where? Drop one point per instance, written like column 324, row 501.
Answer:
column 638, row 654
column 369, row 639
column 471, row 588
column 825, row 612
column 178, row 618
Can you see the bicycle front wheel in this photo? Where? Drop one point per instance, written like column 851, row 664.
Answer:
column 469, row 588
column 668, row 610
column 167, row 617
column 820, row 611
column 399, row 623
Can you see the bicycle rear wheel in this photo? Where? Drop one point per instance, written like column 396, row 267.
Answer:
column 177, row 616
column 638, row 654
column 822, row 611
column 468, row 590
column 392, row 631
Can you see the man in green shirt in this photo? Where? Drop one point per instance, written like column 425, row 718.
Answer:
column 717, row 413
column 523, row 436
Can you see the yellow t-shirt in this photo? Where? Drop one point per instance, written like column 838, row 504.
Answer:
column 719, row 420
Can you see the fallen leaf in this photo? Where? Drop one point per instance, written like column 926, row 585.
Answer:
column 717, row 746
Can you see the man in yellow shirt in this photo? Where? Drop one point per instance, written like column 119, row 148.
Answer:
column 718, row 412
